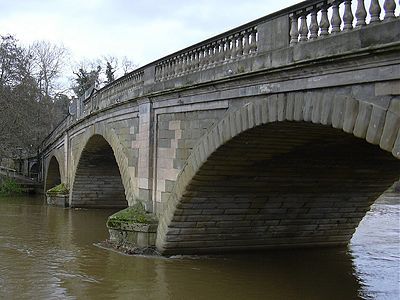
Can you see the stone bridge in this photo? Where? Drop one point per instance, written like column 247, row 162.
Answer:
column 279, row 133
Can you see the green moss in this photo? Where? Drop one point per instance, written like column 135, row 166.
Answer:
column 133, row 214
column 10, row 187
column 60, row 189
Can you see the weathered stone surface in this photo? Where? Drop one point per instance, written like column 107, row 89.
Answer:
column 235, row 149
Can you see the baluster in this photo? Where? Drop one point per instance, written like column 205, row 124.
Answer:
column 246, row 45
column 228, row 50
column 389, row 6
column 220, row 49
column 234, row 48
column 303, row 29
column 176, row 66
column 190, row 61
column 374, row 11
column 324, row 22
column 218, row 52
column 180, row 65
column 253, row 42
column 196, row 59
column 187, row 62
column 313, row 25
column 183, row 67
column 180, row 69
column 361, row 13
column 294, row 30
column 171, row 68
column 200, row 58
column 347, row 16
column 211, row 53
column 167, row 69
column 335, row 20
column 163, row 71
column 160, row 75
column 205, row 57
column 240, row 45
column 223, row 50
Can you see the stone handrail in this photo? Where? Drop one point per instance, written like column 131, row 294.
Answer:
column 297, row 24
column 305, row 25
column 230, row 47
column 57, row 131
column 308, row 21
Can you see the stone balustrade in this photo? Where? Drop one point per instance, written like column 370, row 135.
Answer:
column 309, row 20
column 295, row 25
column 119, row 87
column 59, row 130
column 323, row 18
column 222, row 49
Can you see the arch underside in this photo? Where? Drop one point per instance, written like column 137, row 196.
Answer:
column 286, row 184
column 53, row 177
column 97, row 182
column 34, row 170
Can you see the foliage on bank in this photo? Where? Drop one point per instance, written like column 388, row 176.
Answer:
column 10, row 187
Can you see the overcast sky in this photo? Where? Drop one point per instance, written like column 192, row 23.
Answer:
column 142, row 30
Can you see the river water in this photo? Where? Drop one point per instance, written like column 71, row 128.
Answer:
column 49, row 253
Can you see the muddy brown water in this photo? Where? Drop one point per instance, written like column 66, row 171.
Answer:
column 49, row 253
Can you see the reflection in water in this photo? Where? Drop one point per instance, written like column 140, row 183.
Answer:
column 48, row 253
column 376, row 250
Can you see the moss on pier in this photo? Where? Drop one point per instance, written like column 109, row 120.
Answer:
column 133, row 214
column 60, row 189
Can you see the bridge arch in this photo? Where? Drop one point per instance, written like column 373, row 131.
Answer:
column 250, row 182
column 101, row 176
column 34, row 170
column 54, row 173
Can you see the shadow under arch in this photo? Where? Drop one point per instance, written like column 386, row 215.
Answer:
column 260, row 180
column 34, row 171
column 97, row 181
column 53, row 174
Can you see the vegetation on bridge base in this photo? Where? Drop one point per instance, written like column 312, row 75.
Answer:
column 9, row 187
column 132, row 231
column 131, row 215
column 60, row 189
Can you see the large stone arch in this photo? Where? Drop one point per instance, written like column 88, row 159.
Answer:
column 55, row 173
column 110, row 143
column 188, row 218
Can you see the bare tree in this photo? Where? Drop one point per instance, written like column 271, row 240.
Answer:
column 48, row 62
column 26, row 116
column 127, row 65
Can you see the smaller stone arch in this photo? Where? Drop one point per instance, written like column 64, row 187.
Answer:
column 98, row 181
column 53, row 173
column 34, row 170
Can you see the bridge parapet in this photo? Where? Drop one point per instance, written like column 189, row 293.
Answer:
column 310, row 29
column 230, row 53
column 228, row 47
